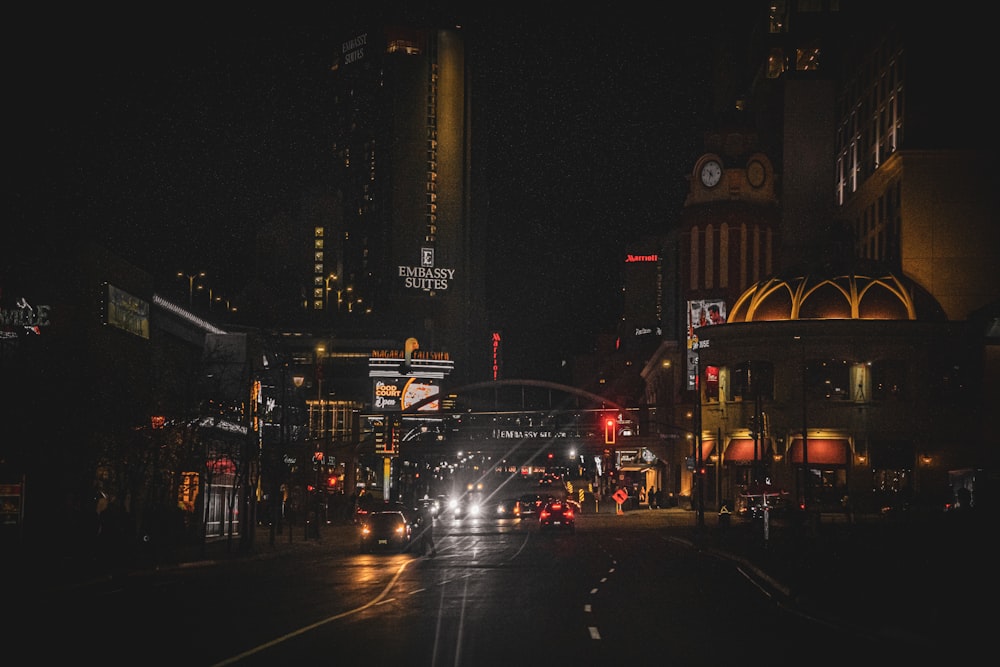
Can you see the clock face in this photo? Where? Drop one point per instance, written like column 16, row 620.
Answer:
column 755, row 173
column 711, row 172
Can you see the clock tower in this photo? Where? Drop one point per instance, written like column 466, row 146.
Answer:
column 726, row 237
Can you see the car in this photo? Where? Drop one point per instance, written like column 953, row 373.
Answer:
column 374, row 505
column 468, row 506
column 465, row 505
column 574, row 504
column 529, row 504
column 432, row 504
column 455, row 507
column 557, row 514
column 388, row 530
column 508, row 508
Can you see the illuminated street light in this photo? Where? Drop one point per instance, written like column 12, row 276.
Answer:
column 211, row 294
column 332, row 278
column 191, row 278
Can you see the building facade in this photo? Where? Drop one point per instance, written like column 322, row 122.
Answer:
column 873, row 188
column 402, row 245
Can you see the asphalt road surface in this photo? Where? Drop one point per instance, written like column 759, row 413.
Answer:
column 618, row 591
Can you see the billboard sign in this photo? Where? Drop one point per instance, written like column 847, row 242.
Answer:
column 128, row 313
column 397, row 394
column 700, row 313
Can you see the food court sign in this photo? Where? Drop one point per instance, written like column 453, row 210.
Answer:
column 408, row 378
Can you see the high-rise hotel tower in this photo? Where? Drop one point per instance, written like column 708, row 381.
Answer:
column 398, row 255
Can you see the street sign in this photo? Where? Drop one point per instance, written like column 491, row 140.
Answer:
column 620, row 496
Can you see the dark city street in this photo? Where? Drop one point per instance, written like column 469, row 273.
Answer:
column 433, row 333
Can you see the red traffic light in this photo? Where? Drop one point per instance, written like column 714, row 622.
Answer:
column 331, row 481
column 610, row 430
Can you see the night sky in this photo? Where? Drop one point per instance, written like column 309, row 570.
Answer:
column 171, row 139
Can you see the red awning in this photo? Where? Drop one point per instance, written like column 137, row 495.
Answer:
column 740, row 450
column 707, row 446
column 822, row 451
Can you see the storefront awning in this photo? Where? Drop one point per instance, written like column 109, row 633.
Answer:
column 707, row 447
column 740, row 450
column 822, row 451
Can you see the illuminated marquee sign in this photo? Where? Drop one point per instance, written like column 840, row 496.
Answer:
column 426, row 277
column 391, row 394
column 403, row 378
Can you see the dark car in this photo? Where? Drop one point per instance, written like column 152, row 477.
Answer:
column 529, row 504
column 436, row 504
column 390, row 530
column 557, row 514
column 508, row 508
column 468, row 505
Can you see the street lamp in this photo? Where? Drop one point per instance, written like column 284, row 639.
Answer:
column 191, row 278
column 332, row 278
column 211, row 294
column 320, row 354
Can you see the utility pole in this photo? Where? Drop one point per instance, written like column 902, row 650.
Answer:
column 699, row 463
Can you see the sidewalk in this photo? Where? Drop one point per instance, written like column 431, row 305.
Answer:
column 916, row 579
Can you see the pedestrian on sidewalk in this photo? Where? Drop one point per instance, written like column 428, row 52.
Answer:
column 651, row 497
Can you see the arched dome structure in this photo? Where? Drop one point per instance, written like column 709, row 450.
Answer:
column 873, row 295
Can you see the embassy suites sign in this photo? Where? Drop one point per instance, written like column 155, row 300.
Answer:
column 426, row 277
column 353, row 49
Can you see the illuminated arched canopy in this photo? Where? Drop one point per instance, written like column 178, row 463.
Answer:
column 879, row 295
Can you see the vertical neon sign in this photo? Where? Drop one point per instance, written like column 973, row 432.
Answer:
column 496, row 355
